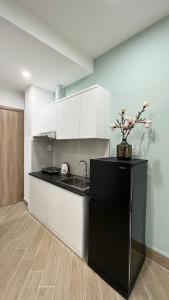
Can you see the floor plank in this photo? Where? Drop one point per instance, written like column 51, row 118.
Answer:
column 8, row 249
column 34, row 245
column 161, row 277
column 34, row 264
column 140, row 292
column 92, row 283
column 77, row 283
column 63, row 275
column 8, row 228
column 31, row 285
column 154, row 290
column 51, row 267
column 31, row 232
column 107, row 292
column 41, row 257
column 8, row 268
column 45, row 293
column 6, row 211
column 16, row 282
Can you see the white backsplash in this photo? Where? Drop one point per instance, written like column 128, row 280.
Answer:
column 72, row 151
column 53, row 153
column 42, row 155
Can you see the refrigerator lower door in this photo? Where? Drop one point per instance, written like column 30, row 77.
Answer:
column 109, row 244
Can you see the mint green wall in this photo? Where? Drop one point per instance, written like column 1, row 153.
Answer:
column 135, row 71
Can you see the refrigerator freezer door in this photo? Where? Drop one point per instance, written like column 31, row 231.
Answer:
column 110, row 183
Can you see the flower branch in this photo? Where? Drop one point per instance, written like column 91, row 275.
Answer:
column 126, row 124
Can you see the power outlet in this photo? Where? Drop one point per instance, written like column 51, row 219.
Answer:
column 49, row 148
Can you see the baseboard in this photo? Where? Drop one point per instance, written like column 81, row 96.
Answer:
column 157, row 257
column 25, row 202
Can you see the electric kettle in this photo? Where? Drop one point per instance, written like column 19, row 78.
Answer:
column 64, row 168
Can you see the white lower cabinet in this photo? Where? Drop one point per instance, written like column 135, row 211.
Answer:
column 63, row 212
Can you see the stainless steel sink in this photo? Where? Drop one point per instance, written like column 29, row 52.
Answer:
column 77, row 182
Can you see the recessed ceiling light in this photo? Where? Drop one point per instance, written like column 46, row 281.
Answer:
column 26, row 74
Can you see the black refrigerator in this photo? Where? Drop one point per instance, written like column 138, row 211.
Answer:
column 117, row 211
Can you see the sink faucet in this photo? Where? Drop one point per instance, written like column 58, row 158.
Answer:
column 83, row 161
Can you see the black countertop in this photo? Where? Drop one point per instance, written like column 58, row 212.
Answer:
column 131, row 161
column 56, row 180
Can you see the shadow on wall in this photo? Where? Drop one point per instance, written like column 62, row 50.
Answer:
column 154, row 181
column 145, row 139
column 140, row 148
column 144, row 147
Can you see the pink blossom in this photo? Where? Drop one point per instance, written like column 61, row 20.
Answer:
column 112, row 126
column 146, row 104
column 125, row 126
column 123, row 110
column 147, row 125
column 131, row 121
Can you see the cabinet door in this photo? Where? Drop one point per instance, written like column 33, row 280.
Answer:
column 38, row 204
column 63, row 212
column 68, row 117
column 48, row 118
column 88, row 114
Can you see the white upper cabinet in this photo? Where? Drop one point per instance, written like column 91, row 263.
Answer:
column 48, row 118
column 95, row 114
column 82, row 116
column 68, row 117
column 88, row 114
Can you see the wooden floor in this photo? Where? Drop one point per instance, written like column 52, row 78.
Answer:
column 34, row 264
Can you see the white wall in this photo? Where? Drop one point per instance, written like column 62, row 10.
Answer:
column 9, row 97
column 34, row 98
column 135, row 71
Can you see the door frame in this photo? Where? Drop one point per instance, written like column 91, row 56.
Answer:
column 11, row 108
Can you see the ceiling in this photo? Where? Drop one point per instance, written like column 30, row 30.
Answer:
column 57, row 40
column 98, row 25
column 20, row 51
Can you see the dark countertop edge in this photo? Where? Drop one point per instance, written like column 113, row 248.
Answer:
column 59, row 184
column 132, row 161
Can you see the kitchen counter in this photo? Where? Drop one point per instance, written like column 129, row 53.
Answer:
column 62, row 209
column 56, row 180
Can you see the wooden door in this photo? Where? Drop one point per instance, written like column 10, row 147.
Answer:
column 11, row 155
